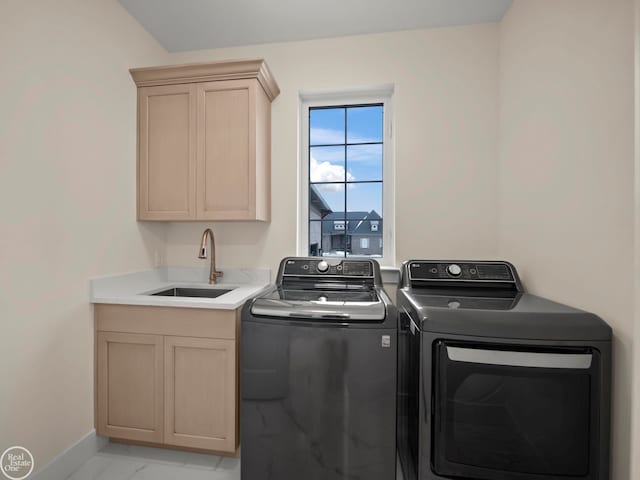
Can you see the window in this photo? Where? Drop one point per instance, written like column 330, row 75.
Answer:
column 346, row 182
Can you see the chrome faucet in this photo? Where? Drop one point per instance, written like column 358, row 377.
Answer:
column 213, row 273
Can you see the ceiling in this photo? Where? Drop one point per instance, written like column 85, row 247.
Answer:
column 181, row 25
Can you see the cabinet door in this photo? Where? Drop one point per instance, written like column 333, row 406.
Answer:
column 130, row 386
column 226, row 170
column 167, row 152
column 200, row 393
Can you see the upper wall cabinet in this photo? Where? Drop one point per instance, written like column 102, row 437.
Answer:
column 204, row 141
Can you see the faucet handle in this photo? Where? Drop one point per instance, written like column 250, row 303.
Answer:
column 214, row 276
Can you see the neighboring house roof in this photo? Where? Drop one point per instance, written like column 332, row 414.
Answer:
column 317, row 202
column 357, row 223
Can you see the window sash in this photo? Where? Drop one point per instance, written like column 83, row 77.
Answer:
column 347, row 98
column 347, row 248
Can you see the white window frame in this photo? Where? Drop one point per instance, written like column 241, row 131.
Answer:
column 380, row 94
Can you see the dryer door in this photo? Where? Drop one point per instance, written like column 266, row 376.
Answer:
column 512, row 412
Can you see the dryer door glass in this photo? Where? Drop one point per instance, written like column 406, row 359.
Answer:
column 501, row 411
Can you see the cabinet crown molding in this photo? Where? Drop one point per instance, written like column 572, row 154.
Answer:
column 208, row 72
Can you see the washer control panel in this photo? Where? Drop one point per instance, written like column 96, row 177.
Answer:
column 328, row 267
column 461, row 271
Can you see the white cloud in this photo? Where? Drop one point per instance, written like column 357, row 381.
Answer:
column 328, row 172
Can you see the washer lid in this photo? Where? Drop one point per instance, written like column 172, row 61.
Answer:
column 331, row 305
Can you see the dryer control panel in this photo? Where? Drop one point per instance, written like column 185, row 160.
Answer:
column 459, row 272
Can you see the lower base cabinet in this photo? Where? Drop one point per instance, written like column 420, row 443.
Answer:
column 200, row 393
column 166, row 389
column 130, row 386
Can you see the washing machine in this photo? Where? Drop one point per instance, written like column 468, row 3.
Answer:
column 496, row 383
column 319, row 374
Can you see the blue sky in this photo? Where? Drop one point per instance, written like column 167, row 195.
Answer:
column 363, row 162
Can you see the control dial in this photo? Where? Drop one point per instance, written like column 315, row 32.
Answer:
column 322, row 266
column 454, row 270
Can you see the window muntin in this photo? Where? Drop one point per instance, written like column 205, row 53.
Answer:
column 345, row 184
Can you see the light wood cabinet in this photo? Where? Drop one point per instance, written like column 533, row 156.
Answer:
column 204, row 141
column 167, row 152
column 200, row 399
column 130, row 377
column 168, row 376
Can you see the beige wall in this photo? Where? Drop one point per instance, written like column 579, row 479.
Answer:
column 67, row 186
column 512, row 141
column 566, row 167
column 446, row 140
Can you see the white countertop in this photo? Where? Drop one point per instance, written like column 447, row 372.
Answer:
column 134, row 288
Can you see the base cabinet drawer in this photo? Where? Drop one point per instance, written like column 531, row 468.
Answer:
column 200, row 393
column 130, row 382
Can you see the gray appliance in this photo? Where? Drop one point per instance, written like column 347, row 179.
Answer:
column 319, row 374
column 496, row 383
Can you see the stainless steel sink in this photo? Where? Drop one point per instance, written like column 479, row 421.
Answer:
column 192, row 292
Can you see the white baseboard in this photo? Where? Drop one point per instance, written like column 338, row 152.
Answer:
column 72, row 458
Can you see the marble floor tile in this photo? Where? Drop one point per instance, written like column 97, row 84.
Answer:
column 158, row 471
column 131, row 462
column 162, row 455
column 202, row 460
column 106, row 468
column 229, row 464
